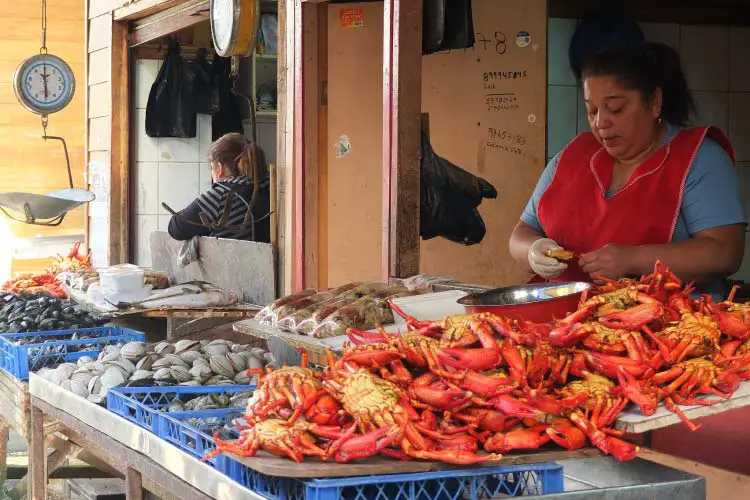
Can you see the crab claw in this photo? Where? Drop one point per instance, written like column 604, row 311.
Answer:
column 633, row 390
column 567, row 435
column 482, row 358
column 513, row 407
column 440, row 398
column 609, row 365
column 520, row 439
column 568, row 334
column 359, row 337
column 621, row 450
column 352, row 447
column 634, row 318
column 458, row 457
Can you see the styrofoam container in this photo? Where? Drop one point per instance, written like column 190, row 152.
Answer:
column 137, row 295
column 122, row 279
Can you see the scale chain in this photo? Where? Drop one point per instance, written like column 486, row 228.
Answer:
column 43, row 50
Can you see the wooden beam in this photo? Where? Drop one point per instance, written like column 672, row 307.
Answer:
column 285, row 144
column 308, row 191
column 298, row 182
column 143, row 8
column 169, row 21
column 119, row 201
column 402, row 100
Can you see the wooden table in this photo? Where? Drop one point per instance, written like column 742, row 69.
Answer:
column 145, row 460
column 315, row 349
column 15, row 414
column 181, row 321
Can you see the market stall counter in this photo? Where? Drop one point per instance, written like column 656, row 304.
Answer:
column 145, row 460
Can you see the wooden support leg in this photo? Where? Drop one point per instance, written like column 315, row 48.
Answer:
column 37, row 456
column 55, row 460
column 134, row 484
column 4, row 435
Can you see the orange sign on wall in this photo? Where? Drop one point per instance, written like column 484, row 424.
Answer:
column 352, row 18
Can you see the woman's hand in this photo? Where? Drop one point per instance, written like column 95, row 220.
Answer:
column 611, row 261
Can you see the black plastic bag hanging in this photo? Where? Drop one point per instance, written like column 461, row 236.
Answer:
column 206, row 86
column 447, row 25
column 449, row 197
column 229, row 118
column 172, row 108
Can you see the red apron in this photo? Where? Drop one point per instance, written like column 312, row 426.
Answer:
column 575, row 211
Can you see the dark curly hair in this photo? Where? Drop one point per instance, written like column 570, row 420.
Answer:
column 645, row 67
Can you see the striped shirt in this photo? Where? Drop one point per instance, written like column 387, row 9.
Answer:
column 212, row 206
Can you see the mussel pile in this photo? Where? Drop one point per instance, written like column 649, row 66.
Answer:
column 137, row 364
column 41, row 313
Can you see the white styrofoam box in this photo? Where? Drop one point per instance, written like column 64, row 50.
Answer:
column 561, row 117
column 431, row 306
column 204, row 176
column 146, row 188
column 175, row 150
column 559, row 33
column 146, row 148
column 582, row 118
column 178, row 185
column 739, row 55
column 739, row 132
column 145, row 75
column 712, row 108
column 205, row 128
column 144, row 226
column 704, row 51
column 666, row 33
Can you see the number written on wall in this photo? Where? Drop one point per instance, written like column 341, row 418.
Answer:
column 503, row 140
column 507, row 101
column 496, row 43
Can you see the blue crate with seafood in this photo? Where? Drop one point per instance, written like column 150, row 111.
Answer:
column 141, row 405
column 458, row 484
column 21, row 353
column 192, row 431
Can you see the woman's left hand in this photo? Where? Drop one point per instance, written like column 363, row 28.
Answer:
column 611, row 261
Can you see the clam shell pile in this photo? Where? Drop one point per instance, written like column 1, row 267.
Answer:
column 137, row 364
column 209, row 402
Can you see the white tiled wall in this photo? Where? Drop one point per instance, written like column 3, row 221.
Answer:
column 716, row 60
column 167, row 170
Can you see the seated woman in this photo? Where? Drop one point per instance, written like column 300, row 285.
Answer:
column 230, row 158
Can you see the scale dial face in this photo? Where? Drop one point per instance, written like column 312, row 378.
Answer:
column 233, row 26
column 44, row 84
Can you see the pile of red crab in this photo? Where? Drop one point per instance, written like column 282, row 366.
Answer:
column 48, row 282
column 469, row 388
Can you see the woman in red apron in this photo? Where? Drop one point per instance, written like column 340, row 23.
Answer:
column 640, row 186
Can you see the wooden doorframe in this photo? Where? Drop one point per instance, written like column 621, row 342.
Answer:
column 402, row 88
column 119, row 191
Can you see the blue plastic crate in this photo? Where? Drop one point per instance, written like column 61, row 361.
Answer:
column 140, row 404
column 177, row 428
column 458, row 484
column 58, row 347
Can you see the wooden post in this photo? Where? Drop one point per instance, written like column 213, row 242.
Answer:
column 4, row 434
column 119, row 201
column 38, row 456
column 133, row 484
column 402, row 89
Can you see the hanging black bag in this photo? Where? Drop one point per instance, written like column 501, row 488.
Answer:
column 447, row 25
column 171, row 110
column 449, row 197
column 206, row 87
column 228, row 119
